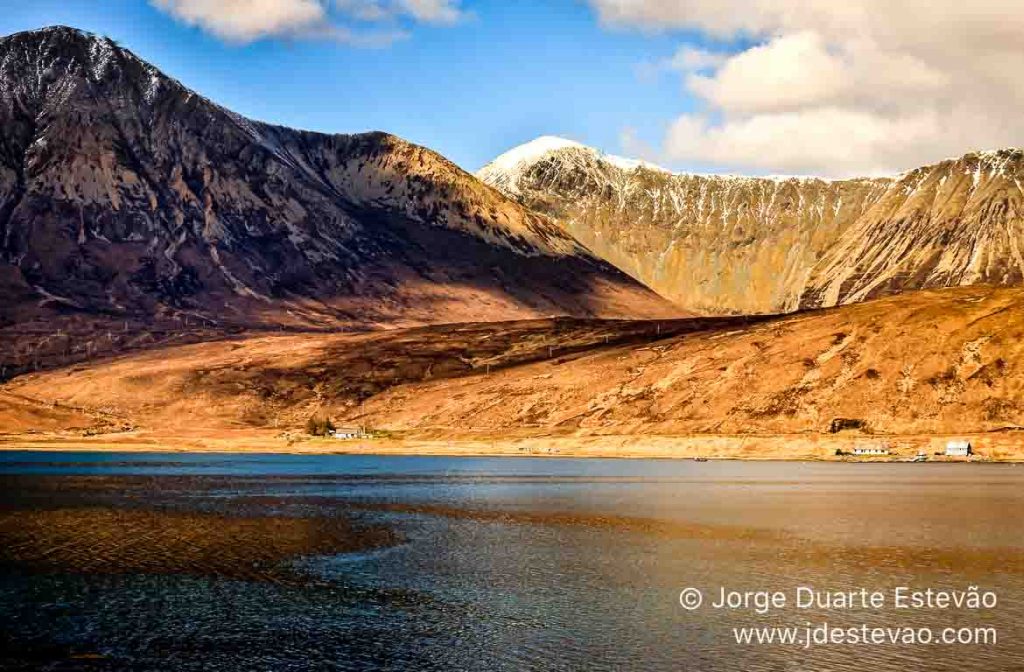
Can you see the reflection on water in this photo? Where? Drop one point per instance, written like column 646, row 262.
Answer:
column 163, row 562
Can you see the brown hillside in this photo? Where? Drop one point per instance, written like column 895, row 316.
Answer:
column 937, row 361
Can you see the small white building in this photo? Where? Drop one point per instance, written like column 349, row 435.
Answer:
column 959, row 449
column 871, row 449
column 345, row 433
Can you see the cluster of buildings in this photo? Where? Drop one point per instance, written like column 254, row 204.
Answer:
column 954, row 448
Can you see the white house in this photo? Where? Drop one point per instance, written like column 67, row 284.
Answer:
column 345, row 433
column 871, row 449
column 959, row 449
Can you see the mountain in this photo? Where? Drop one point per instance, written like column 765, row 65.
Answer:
column 726, row 244
column 124, row 194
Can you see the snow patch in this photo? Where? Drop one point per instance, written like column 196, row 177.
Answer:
column 623, row 163
column 531, row 152
column 101, row 52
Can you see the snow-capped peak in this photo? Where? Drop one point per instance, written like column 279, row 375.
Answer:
column 504, row 172
column 531, row 152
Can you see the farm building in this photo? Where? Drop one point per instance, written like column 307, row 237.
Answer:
column 871, row 449
column 344, row 433
column 959, row 449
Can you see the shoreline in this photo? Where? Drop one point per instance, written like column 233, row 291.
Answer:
column 1002, row 448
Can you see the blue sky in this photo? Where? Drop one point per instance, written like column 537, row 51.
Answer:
column 505, row 75
column 862, row 87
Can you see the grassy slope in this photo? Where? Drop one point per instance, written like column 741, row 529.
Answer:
column 924, row 363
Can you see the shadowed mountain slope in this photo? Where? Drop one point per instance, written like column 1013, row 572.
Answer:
column 123, row 193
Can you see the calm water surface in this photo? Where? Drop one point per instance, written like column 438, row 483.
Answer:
column 499, row 564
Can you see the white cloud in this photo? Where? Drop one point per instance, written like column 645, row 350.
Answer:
column 444, row 12
column 635, row 147
column 693, row 59
column 248, row 20
column 862, row 86
column 433, row 11
column 245, row 20
column 803, row 141
column 687, row 59
column 790, row 72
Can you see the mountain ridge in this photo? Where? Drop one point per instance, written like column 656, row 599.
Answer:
column 728, row 244
column 539, row 147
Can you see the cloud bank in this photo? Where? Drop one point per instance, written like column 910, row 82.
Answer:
column 357, row 22
column 850, row 88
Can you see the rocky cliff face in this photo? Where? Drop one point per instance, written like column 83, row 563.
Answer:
column 959, row 222
column 721, row 244
column 123, row 192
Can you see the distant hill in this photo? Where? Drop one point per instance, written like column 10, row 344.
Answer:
column 727, row 244
column 125, row 194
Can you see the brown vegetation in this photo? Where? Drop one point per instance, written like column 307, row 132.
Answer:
column 931, row 363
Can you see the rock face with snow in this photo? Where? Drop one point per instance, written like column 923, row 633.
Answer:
column 956, row 223
column 123, row 192
column 723, row 244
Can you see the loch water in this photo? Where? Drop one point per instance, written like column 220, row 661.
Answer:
column 150, row 561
